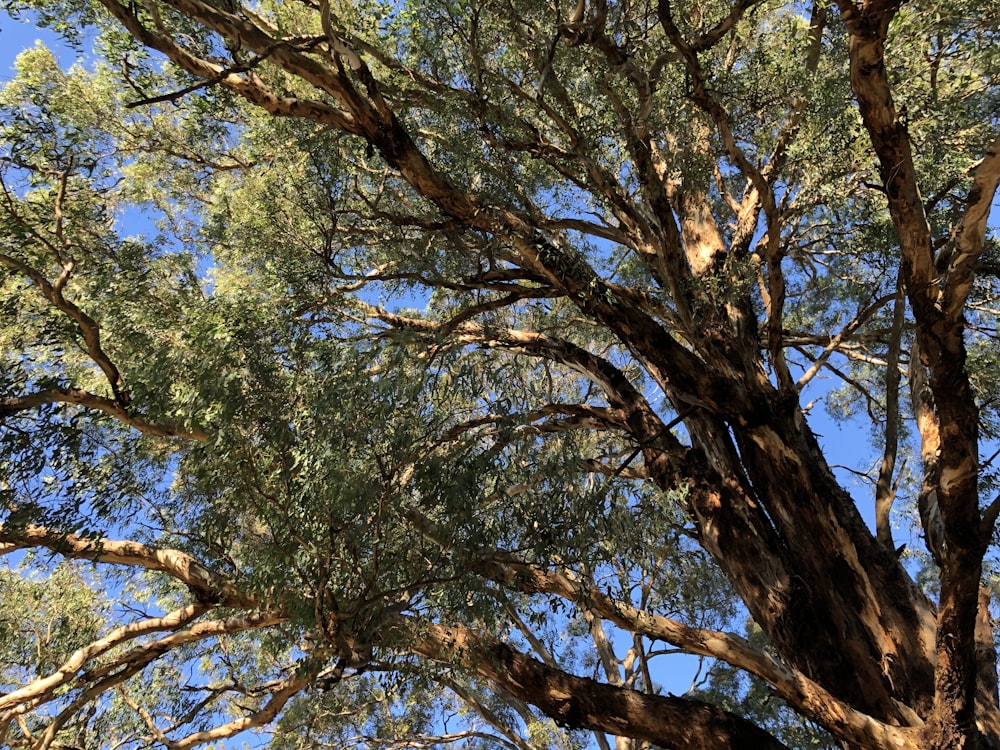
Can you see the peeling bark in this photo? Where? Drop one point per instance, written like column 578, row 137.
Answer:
column 940, row 336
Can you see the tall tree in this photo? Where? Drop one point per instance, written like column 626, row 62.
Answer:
column 467, row 374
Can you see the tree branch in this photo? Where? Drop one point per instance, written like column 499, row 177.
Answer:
column 280, row 695
column 14, row 404
column 41, row 690
column 582, row 703
column 969, row 236
column 711, row 37
column 88, row 327
column 835, row 341
column 801, row 693
column 207, row 586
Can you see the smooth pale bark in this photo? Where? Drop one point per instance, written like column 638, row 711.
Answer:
column 206, row 585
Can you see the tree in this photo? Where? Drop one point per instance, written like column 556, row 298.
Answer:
column 469, row 371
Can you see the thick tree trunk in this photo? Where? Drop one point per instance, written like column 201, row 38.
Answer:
column 834, row 602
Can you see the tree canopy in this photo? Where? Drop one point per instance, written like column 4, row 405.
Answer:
column 412, row 373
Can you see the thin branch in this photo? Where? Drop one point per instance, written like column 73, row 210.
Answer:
column 990, row 515
column 884, row 488
column 595, row 368
column 605, row 650
column 856, row 322
column 37, row 691
column 144, row 715
column 218, row 78
column 510, row 737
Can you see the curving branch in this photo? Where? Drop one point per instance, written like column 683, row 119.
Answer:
column 791, row 685
column 197, row 632
column 43, row 689
column 582, row 703
column 88, row 327
column 280, row 694
column 510, row 738
column 15, row 404
column 712, row 37
column 248, row 86
column 207, row 586
column 546, row 418
column 677, row 370
column 969, row 235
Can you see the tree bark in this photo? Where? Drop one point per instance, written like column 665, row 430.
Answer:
column 582, row 703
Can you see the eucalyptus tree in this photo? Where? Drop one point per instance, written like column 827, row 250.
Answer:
column 435, row 372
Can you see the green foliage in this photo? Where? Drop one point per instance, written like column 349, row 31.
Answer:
column 45, row 619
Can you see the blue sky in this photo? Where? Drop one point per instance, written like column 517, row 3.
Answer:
column 16, row 36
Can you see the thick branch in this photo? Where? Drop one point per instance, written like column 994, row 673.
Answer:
column 582, row 703
column 249, row 86
column 940, row 335
column 797, row 690
column 207, row 586
column 701, row 95
column 970, row 234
